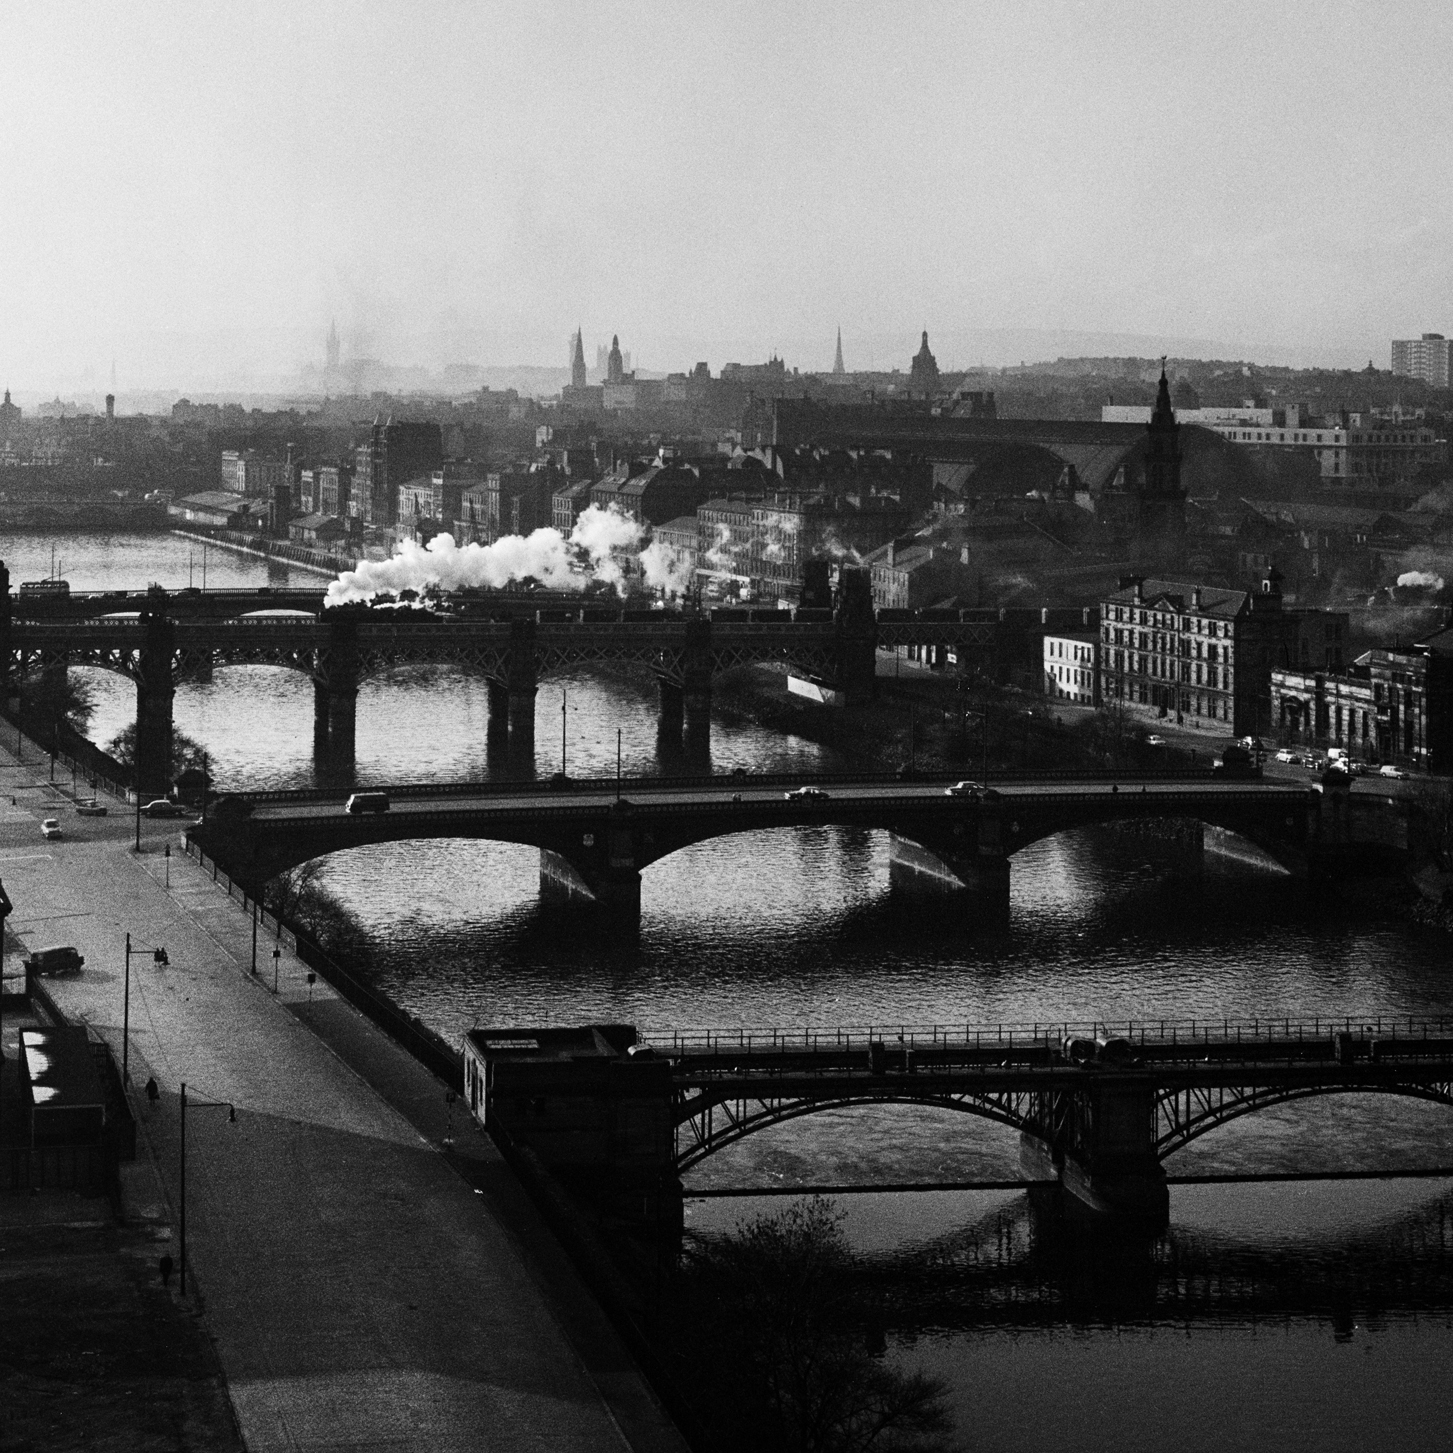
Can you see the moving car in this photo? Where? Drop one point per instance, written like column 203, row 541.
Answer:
column 966, row 789
column 1286, row 755
column 367, row 802
column 806, row 794
column 1388, row 770
column 1154, row 741
column 162, row 807
column 89, row 807
column 50, row 828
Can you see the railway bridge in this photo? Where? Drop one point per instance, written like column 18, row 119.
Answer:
column 157, row 641
column 1098, row 1108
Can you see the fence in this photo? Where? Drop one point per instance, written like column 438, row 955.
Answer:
column 72, row 750
column 684, row 1043
column 432, row 1050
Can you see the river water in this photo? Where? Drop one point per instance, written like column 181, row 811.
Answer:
column 1305, row 1316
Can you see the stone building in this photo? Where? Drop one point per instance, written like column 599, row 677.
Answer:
column 1204, row 656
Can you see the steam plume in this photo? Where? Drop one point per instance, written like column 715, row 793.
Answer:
column 558, row 562
column 1422, row 579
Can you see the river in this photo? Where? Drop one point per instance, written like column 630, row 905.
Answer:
column 1306, row 1316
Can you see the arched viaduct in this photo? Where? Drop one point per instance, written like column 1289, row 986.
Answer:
column 594, row 845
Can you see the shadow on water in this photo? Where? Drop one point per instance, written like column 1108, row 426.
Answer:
column 1033, row 1261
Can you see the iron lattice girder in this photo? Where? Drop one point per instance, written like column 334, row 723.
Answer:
column 714, row 1108
column 482, row 646
column 1187, row 1111
column 707, row 1121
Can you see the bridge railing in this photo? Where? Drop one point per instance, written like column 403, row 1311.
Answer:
column 1150, row 1033
column 724, row 781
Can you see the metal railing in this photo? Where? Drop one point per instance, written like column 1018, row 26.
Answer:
column 1149, row 1033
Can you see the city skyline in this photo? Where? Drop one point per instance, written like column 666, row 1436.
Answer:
column 1005, row 174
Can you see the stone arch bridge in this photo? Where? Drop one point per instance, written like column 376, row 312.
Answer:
column 596, row 838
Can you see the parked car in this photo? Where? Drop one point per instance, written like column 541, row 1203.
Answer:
column 1358, row 769
column 1388, row 770
column 163, row 807
column 806, row 794
column 50, row 828
column 59, row 959
column 1286, row 755
column 89, row 807
column 1154, row 741
column 367, row 802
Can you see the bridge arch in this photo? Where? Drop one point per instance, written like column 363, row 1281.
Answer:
column 695, row 1120
column 1210, row 1110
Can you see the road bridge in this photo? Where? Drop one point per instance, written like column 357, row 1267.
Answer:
column 596, row 837
column 1098, row 1108
column 176, row 638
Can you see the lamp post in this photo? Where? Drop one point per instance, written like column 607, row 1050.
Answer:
column 159, row 956
column 277, row 954
column 618, row 764
column 5, row 909
column 182, row 1196
column 563, row 702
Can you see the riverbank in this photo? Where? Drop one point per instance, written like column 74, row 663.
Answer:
column 360, row 1255
column 84, row 517
column 299, row 557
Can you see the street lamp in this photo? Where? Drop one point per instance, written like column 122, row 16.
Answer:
column 158, row 956
column 277, row 954
column 562, row 729
column 182, row 1197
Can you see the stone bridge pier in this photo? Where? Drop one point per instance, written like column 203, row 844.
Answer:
column 1102, row 1150
column 966, row 869
column 155, row 693
column 335, row 694
column 598, row 867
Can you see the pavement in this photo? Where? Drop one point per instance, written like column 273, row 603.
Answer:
column 366, row 1286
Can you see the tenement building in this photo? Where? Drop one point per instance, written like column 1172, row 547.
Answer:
column 1203, row 655
column 1069, row 667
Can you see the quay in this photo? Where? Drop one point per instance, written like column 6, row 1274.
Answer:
column 368, row 1268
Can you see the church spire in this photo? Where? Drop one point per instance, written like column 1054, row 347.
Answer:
column 837, row 363
column 577, row 362
column 1163, row 416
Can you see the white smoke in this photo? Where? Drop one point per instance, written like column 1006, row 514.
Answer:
column 718, row 556
column 1421, row 579
column 667, row 568
column 592, row 552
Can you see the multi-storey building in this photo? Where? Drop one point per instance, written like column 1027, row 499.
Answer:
column 1204, row 655
column 1426, row 358
column 334, row 484
column 393, row 454
column 1376, row 710
column 1069, row 667
column 1354, row 446
column 432, row 502
column 246, row 472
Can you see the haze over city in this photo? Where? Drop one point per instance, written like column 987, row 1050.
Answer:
column 195, row 195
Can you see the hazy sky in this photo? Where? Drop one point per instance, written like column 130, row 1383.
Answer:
column 195, row 190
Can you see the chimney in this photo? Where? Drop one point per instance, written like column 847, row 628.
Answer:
column 1196, row 598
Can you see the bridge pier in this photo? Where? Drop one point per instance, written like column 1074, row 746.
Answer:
column 154, row 698
column 1110, row 1164
column 335, row 710
column 974, row 877
column 672, row 703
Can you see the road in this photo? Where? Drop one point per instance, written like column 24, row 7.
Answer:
column 663, row 794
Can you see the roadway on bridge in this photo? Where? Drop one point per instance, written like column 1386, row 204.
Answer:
column 662, row 793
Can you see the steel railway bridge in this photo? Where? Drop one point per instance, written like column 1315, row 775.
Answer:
column 1098, row 1108
column 157, row 641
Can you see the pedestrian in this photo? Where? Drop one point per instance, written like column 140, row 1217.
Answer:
column 165, row 1267
column 153, row 1091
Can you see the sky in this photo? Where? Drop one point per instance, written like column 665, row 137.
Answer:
column 195, row 191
